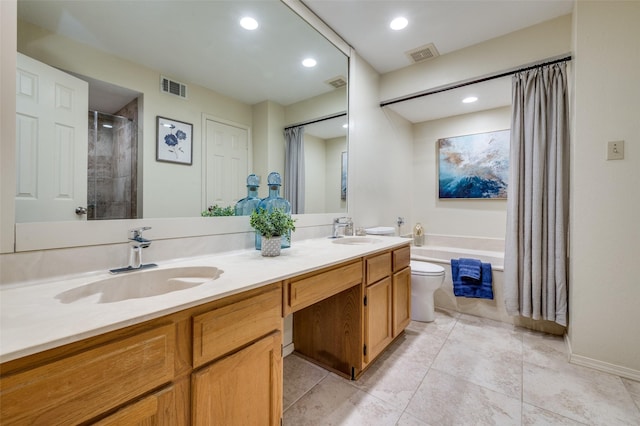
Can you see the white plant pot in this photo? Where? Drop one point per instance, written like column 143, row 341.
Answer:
column 271, row 246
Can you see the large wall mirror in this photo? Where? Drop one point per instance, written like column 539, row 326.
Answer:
column 146, row 65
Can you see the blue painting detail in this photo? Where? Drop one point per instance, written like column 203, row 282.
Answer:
column 474, row 166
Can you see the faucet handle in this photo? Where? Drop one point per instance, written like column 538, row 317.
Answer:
column 341, row 220
column 136, row 233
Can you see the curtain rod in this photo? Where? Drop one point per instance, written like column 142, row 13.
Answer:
column 482, row 79
column 317, row 120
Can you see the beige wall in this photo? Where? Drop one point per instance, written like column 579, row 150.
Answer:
column 323, row 105
column 604, row 326
column 380, row 150
column 268, row 143
column 477, row 218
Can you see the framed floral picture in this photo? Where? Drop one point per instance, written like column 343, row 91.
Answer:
column 175, row 141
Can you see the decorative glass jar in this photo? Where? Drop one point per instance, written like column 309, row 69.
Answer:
column 247, row 205
column 274, row 200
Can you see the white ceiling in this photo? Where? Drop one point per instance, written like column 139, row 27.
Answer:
column 449, row 24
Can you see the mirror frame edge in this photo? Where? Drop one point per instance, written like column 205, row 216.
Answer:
column 8, row 49
column 28, row 237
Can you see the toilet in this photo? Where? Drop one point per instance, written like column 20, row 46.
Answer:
column 426, row 278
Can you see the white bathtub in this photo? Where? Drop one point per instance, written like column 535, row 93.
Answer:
column 486, row 308
column 443, row 255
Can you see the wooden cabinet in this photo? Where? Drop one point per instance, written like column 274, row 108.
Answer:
column 144, row 374
column 79, row 387
column 401, row 289
column 346, row 315
column 243, row 383
column 244, row 388
column 158, row 408
column 378, row 319
column 220, row 362
column 225, row 328
column 305, row 290
column 327, row 319
column 388, row 300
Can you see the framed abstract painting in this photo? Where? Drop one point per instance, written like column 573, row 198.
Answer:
column 474, row 166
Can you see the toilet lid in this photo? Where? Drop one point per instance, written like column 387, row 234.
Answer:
column 425, row 268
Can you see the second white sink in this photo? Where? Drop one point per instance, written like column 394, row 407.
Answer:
column 144, row 283
column 356, row 240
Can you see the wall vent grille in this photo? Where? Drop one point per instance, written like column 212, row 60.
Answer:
column 173, row 87
column 423, row 53
column 337, row 82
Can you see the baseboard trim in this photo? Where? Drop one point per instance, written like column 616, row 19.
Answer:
column 287, row 349
column 606, row 367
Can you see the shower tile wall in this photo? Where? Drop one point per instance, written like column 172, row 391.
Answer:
column 131, row 112
column 112, row 167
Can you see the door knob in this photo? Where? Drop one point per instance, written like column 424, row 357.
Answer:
column 81, row 210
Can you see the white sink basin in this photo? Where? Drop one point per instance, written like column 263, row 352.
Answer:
column 356, row 240
column 140, row 284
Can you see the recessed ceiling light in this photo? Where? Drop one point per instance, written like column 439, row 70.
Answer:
column 469, row 99
column 248, row 23
column 398, row 23
column 309, row 62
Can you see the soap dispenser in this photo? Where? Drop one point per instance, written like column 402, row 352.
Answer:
column 418, row 235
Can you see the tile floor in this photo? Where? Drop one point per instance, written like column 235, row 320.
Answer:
column 462, row 370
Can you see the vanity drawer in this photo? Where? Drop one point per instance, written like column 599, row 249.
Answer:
column 401, row 258
column 227, row 328
column 378, row 267
column 319, row 286
column 80, row 387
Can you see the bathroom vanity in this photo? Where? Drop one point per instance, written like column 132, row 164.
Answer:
column 211, row 354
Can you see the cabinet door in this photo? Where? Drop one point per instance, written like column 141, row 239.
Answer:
column 378, row 323
column 80, row 387
column 401, row 300
column 224, row 329
column 244, row 388
column 154, row 410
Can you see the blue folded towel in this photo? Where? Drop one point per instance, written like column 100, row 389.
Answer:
column 470, row 269
column 468, row 288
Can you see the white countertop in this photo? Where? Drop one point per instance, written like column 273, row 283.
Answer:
column 32, row 319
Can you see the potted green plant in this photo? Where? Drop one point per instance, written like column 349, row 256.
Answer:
column 272, row 226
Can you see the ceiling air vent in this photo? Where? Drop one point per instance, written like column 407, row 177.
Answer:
column 173, row 87
column 423, row 53
column 337, row 82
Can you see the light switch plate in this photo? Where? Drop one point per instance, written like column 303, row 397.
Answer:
column 615, row 150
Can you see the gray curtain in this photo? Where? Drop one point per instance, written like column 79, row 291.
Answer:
column 535, row 264
column 294, row 168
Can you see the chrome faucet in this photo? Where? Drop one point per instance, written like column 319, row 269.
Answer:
column 136, row 243
column 342, row 222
